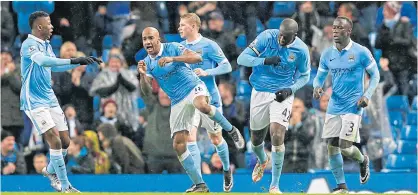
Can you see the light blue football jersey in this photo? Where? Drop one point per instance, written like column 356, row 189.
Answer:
column 177, row 79
column 347, row 70
column 294, row 57
column 36, row 80
column 212, row 55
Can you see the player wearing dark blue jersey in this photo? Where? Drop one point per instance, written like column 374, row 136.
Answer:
column 348, row 62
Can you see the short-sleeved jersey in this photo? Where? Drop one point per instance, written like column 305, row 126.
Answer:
column 177, row 79
column 212, row 55
column 36, row 80
column 294, row 59
column 347, row 70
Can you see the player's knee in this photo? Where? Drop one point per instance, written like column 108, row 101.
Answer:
column 332, row 150
column 216, row 139
column 179, row 146
column 277, row 133
column 343, row 144
column 202, row 104
column 65, row 142
column 53, row 140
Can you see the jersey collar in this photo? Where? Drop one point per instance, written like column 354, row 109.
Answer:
column 348, row 47
column 195, row 41
column 159, row 53
column 37, row 39
column 291, row 44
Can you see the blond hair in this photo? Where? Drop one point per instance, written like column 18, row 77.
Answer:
column 65, row 45
column 193, row 18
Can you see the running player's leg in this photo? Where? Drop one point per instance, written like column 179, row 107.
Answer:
column 259, row 125
column 336, row 163
column 42, row 120
column 349, row 134
column 192, row 142
column 181, row 122
column 201, row 102
column 214, row 131
column 279, row 122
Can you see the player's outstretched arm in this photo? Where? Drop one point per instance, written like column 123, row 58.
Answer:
column 217, row 55
column 189, row 57
column 249, row 58
column 374, row 80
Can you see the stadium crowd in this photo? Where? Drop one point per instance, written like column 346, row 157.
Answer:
column 116, row 129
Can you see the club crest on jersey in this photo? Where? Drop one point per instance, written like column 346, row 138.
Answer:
column 32, row 49
column 291, row 57
column 351, row 58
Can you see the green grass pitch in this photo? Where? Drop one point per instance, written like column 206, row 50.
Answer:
column 116, row 193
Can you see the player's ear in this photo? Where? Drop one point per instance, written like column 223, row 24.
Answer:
column 39, row 27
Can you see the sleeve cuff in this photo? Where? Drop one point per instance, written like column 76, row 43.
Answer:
column 322, row 70
column 149, row 75
column 371, row 65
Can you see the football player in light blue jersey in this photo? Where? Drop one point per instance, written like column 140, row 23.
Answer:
column 37, row 99
column 214, row 63
column 348, row 62
column 281, row 66
column 167, row 63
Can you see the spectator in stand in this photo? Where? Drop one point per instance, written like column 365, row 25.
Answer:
column 101, row 160
column 202, row 9
column 12, row 159
column 319, row 159
column 215, row 165
column 395, row 39
column 39, row 162
column 61, row 80
column 121, row 150
column 158, row 148
column 298, row 139
column 236, row 113
column 80, row 160
column 75, row 128
column 110, row 116
column 322, row 39
column 358, row 33
column 11, row 116
column 307, row 17
column 73, row 87
column 8, row 33
column 226, row 41
column 119, row 84
column 102, row 26
column 119, row 12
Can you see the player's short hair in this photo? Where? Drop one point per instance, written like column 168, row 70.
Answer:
column 347, row 19
column 192, row 17
column 35, row 15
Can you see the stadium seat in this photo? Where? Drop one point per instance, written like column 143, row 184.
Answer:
column 56, row 42
column 396, row 119
column 414, row 103
column 173, row 38
column 412, row 118
column 241, row 41
column 105, row 55
column 401, row 162
column 140, row 55
column 107, row 42
column 284, row 8
column 397, row 103
column 406, row 147
column 96, row 106
column 244, row 88
column 274, row 23
column 409, row 132
column 23, row 9
column 141, row 103
column 260, row 26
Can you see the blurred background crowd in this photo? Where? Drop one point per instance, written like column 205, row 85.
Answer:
column 114, row 129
